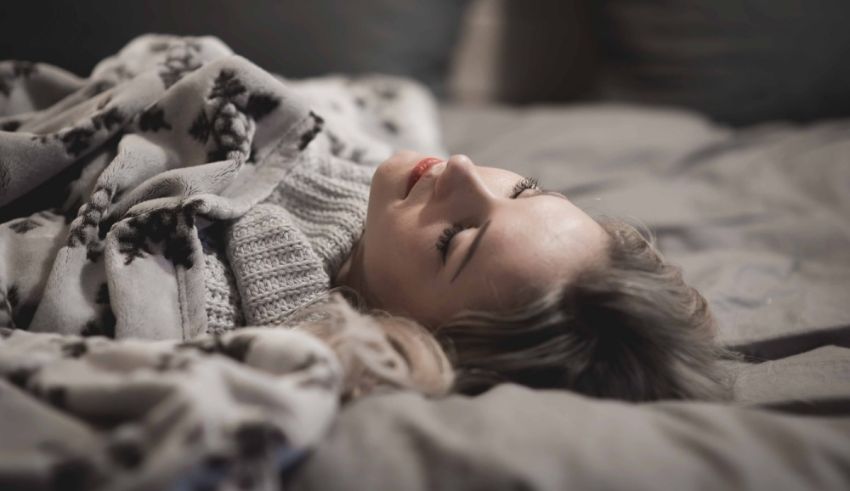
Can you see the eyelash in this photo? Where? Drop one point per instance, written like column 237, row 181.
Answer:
column 445, row 239
column 523, row 184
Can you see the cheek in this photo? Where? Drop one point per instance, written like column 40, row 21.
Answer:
column 395, row 261
column 382, row 254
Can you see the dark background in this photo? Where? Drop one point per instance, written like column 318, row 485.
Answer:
column 736, row 61
column 297, row 38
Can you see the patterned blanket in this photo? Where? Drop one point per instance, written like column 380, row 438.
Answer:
column 224, row 411
column 104, row 183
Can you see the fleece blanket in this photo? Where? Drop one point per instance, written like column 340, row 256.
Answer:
column 109, row 377
column 230, row 411
column 223, row 411
column 168, row 136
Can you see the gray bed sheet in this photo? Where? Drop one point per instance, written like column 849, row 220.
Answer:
column 513, row 438
column 759, row 218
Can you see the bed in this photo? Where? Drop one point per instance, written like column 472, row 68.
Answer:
column 744, row 181
column 756, row 216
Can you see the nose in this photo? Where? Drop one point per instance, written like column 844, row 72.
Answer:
column 461, row 183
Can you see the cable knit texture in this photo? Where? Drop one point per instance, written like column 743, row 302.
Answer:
column 285, row 251
column 223, row 303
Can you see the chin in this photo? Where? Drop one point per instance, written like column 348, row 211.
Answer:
column 390, row 178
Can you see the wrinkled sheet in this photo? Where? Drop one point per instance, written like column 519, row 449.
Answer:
column 516, row 438
column 759, row 218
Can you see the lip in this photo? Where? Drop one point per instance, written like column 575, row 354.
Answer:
column 419, row 170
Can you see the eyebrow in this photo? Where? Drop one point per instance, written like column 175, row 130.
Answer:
column 472, row 248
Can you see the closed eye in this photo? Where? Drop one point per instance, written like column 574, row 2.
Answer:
column 444, row 241
column 524, row 184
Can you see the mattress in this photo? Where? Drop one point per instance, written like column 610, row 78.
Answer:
column 758, row 219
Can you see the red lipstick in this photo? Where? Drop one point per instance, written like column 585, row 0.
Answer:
column 419, row 170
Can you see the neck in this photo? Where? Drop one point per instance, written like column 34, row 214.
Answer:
column 351, row 275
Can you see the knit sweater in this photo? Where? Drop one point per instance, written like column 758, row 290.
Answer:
column 286, row 250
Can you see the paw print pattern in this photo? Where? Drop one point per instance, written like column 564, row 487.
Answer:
column 104, row 324
column 311, row 133
column 23, row 225
column 153, row 119
column 17, row 312
column 170, row 228
column 180, row 59
column 228, row 121
column 10, row 125
column 78, row 140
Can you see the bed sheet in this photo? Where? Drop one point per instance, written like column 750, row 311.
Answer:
column 514, row 438
column 757, row 217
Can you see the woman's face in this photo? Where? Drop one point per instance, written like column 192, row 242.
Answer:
column 466, row 237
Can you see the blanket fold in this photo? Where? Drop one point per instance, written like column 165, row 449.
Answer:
column 161, row 134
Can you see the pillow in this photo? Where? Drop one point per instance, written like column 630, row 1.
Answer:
column 738, row 61
column 524, row 52
column 295, row 38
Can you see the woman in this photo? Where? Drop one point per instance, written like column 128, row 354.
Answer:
column 213, row 195
column 521, row 285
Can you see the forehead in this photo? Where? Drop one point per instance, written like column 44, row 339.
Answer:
column 532, row 244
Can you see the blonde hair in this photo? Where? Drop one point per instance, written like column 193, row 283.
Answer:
column 631, row 329
column 378, row 351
